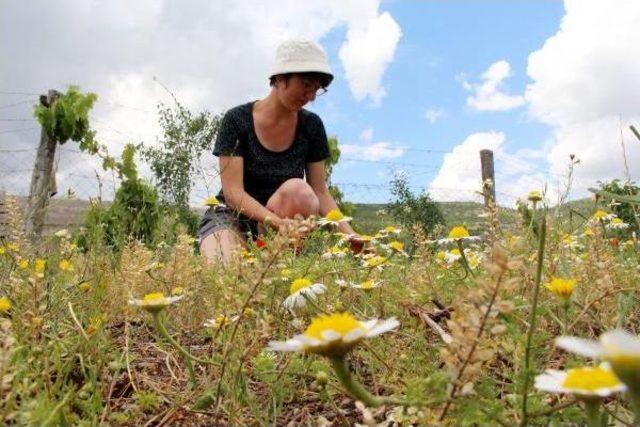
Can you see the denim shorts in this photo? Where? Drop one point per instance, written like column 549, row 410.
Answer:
column 220, row 217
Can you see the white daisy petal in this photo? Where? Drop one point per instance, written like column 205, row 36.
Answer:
column 618, row 341
column 383, row 326
column 587, row 348
column 330, row 335
column 355, row 335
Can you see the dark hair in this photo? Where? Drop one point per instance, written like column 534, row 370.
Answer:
column 322, row 78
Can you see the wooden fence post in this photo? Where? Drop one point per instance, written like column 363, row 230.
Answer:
column 42, row 177
column 488, row 176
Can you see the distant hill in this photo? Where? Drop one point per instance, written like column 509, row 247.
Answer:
column 371, row 217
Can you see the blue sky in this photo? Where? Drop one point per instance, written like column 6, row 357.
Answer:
column 420, row 87
column 440, row 40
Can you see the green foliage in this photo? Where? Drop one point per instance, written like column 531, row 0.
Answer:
column 135, row 212
column 68, row 118
column 624, row 206
column 411, row 210
column 175, row 160
column 146, row 400
column 347, row 208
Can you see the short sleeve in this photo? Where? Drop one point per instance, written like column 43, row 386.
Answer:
column 318, row 144
column 228, row 141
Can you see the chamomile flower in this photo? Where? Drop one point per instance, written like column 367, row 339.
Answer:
column 334, row 217
column 39, row 267
column 65, row 265
column 212, row 201
column 602, row 215
column 334, row 335
column 585, row 382
column 534, row 196
column 396, row 247
column 367, row 285
column 219, row 321
column 458, row 233
column 452, row 256
column 375, row 261
column 335, row 252
column 154, row 302
column 300, row 290
column 618, row 347
column 617, row 224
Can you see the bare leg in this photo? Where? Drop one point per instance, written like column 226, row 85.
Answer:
column 294, row 197
column 218, row 247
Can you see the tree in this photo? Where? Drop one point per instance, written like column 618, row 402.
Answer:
column 410, row 210
column 186, row 136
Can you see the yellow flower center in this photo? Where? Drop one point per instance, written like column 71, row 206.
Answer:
column 299, row 284
column 84, row 287
column 335, row 215
column 211, row 201
column 5, row 305
column 455, row 252
column 441, row 255
column 590, row 379
column 40, row 265
column 459, row 232
column 367, row 284
column 398, row 246
column 155, row 298
column 376, row 261
column 285, row 273
column 23, row 264
column 617, row 221
column 600, row 214
column 390, row 229
column 534, row 196
column 65, row 265
column 342, row 323
column 561, row 287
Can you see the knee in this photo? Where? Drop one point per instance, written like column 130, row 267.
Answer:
column 298, row 198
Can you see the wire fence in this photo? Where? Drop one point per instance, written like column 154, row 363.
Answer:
column 80, row 176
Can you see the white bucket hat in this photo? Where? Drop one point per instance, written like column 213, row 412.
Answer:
column 300, row 56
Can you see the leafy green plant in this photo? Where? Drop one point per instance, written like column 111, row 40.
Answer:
column 411, row 210
column 623, row 206
column 135, row 211
column 68, row 118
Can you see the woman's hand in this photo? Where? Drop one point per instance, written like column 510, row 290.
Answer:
column 355, row 242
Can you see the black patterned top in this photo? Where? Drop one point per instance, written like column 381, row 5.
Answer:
column 266, row 170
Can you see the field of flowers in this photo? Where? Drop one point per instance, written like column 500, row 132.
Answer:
column 533, row 326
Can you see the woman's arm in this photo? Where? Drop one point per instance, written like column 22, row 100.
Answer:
column 231, row 176
column 317, row 180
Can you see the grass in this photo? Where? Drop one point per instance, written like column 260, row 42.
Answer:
column 74, row 354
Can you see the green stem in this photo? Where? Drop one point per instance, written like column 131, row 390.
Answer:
column 592, row 409
column 634, row 400
column 187, row 356
column 463, row 258
column 532, row 317
column 357, row 390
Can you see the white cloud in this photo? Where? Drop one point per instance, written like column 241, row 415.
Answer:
column 488, row 95
column 583, row 87
column 369, row 150
column 367, row 52
column 212, row 55
column 460, row 177
column 434, row 114
column 373, row 152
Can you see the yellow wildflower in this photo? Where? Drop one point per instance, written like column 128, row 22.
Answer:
column 5, row 305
